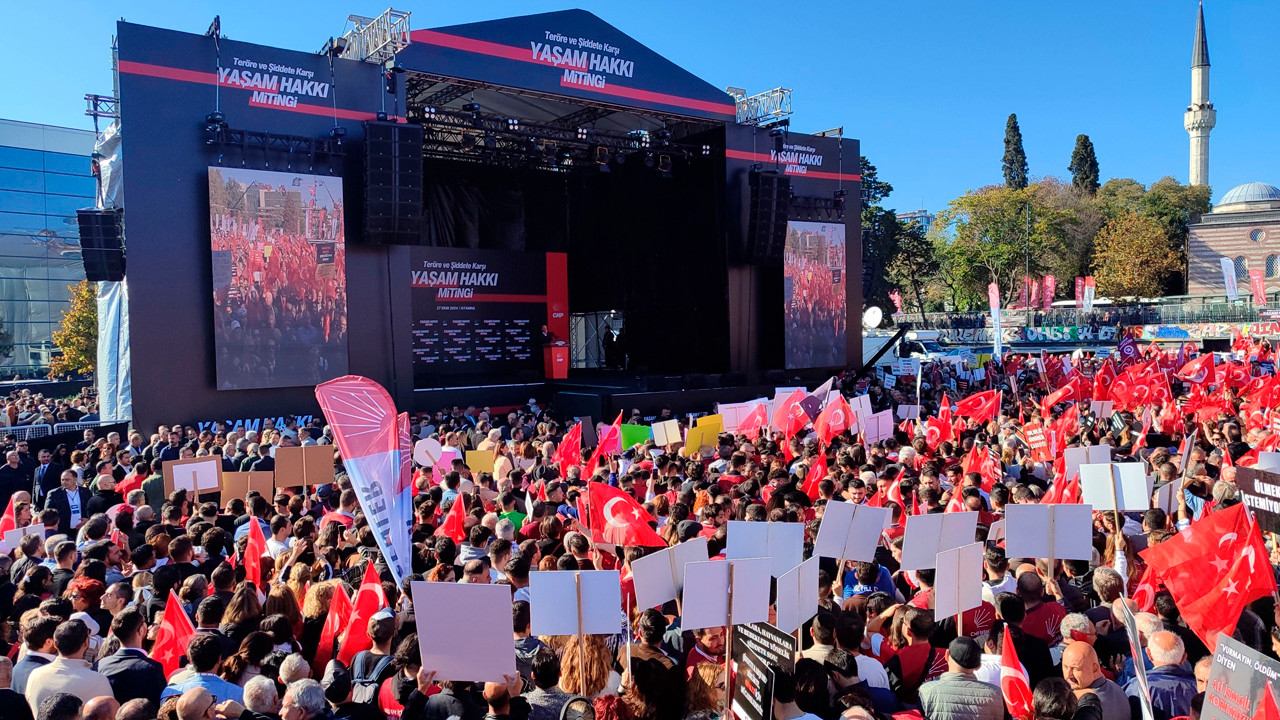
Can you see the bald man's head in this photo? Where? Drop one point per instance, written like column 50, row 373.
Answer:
column 1165, row 648
column 194, row 704
column 1080, row 665
column 103, row 707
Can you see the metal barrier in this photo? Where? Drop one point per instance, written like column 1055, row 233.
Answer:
column 71, row 426
column 27, row 432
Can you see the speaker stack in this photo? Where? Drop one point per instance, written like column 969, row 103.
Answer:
column 393, row 184
column 102, row 244
column 767, row 222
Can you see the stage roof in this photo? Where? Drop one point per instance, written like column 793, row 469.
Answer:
column 568, row 65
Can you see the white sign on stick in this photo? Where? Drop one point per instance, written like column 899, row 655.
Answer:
column 957, row 585
column 198, row 477
column 908, row 412
column 1167, row 498
column 490, row 654
column 1102, row 408
column 851, row 532
column 879, row 427
column 861, row 406
column 1132, row 486
column 996, row 532
column 554, row 608
column 797, row 595
column 928, row 535
column 1077, row 456
column 782, row 543
column 667, row 433
column 659, row 577
column 1058, row 530
column 706, row 593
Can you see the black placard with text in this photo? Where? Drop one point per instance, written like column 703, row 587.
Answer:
column 1261, row 491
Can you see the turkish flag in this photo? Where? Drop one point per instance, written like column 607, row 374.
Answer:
column 894, row 494
column 253, row 552
column 783, row 413
column 981, row 406
column 611, row 438
column 1066, row 393
column 1199, row 371
column 172, row 636
column 1145, row 592
column 1102, row 381
column 979, row 460
column 1267, row 709
column 1142, row 436
column 455, row 521
column 369, row 600
column 616, row 518
column 337, row 618
column 570, row 450
column 956, row 503
column 756, row 419
column 936, row 432
column 1213, row 569
column 1013, row 681
column 8, row 521
column 834, row 419
column 817, row 470
column 1071, row 493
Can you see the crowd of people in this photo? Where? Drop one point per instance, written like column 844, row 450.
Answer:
column 815, row 306
column 111, row 564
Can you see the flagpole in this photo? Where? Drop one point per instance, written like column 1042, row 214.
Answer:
column 675, row 581
column 582, row 641
column 728, row 649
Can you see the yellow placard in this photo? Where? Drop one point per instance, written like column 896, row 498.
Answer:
column 711, row 421
column 698, row 438
column 480, row 461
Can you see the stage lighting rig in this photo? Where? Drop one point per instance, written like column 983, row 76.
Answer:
column 770, row 105
column 664, row 165
column 640, row 138
column 706, row 149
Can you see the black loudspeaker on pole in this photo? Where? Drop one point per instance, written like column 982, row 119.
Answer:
column 767, row 221
column 392, row 184
column 102, row 244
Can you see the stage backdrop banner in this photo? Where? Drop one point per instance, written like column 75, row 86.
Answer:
column 484, row 311
column 279, row 278
column 813, row 290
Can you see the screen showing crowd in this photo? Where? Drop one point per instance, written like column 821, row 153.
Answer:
column 279, row 278
column 814, row 293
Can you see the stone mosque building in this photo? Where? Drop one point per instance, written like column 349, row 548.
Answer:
column 1245, row 224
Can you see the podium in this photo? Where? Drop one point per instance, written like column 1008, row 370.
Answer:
column 555, row 359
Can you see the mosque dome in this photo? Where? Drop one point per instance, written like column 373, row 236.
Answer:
column 1249, row 196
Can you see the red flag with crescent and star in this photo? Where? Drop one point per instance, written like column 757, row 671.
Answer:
column 834, row 419
column 368, row 601
column 616, row 518
column 172, row 636
column 1013, row 681
column 817, row 470
column 334, row 622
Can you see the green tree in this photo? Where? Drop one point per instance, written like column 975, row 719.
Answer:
column 1120, row 195
column 77, row 338
column 1133, row 257
column 915, row 264
column 1015, row 159
column 1084, row 166
column 880, row 236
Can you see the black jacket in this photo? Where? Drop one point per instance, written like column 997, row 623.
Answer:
column 132, row 675
column 46, row 479
column 58, row 500
column 14, row 706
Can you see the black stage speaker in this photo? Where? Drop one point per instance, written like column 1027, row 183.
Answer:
column 392, row 184
column 102, row 244
column 767, row 221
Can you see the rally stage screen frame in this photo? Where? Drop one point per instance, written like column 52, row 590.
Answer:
column 814, row 295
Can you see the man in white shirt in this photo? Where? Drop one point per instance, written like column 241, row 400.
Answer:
column 281, row 528
column 68, row 673
column 997, row 578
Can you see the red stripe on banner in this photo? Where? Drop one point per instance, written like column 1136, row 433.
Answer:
column 767, row 158
column 167, row 73
column 499, row 297
column 558, row 295
column 483, row 47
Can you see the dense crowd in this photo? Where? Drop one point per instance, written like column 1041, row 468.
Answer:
column 97, row 593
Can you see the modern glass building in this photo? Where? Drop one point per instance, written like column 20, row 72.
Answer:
column 45, row 177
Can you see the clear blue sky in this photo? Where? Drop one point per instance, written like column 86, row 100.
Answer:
column 926, row 85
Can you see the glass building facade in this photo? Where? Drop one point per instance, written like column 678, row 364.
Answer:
column 45, row 176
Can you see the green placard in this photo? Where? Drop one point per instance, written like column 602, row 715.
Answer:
column 632, row 434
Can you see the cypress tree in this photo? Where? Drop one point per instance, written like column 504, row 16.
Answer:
column 1015, row 159
column 1084, row 166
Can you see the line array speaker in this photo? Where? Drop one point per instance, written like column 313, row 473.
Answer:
column 393, row 184
column 102, row 244
column 767, row 221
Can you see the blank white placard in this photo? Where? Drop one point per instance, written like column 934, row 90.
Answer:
column 751, row 578
column 996, row 532
column 879, row 426
column 667, row 433
column 797, row 595
column 553, row 602
column 908, row 412
column 706, row 595
column 658, row 577
column 1130, row 480
column 1059, row 530
column 1166, row 499
column 851, row 532
column 1077, row 456
column 781, row 542
column 958, row 583
column 927, row 535
column 197, row 477
column 489, row 653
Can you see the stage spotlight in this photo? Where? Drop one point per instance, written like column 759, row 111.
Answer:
column 639, row 137
column 584, row 133
column 490, row 141
column 706, row 149
column 380, row 116
column 620, row 158
column 337, row 132
column 664, row 137
column 513, row 123
column 649, row 160
column 602, row 155
column 548, row 148
column 471, row 108
column 664, row 164
column 468, row 142
column 429, row 112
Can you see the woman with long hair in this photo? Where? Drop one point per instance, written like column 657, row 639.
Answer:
column 704, row 693
column 280, row 601
column 586, row 667
column 315, row 610
column 281, row 632
column 243, row 613
column 299, row 579
column 246, row 664
column 653, row 692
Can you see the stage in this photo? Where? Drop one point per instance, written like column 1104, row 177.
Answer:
column 431, row 221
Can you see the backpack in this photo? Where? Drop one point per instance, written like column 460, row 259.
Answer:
column 366, row 676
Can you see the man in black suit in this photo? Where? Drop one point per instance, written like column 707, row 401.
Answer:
column 13, row 476
column 12, row 705
column 264, row 462
column 131, row 673
column 45, row 476
column 71, row 501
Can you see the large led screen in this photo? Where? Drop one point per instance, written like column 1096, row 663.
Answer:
column 279, row 280
column 813, row 289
